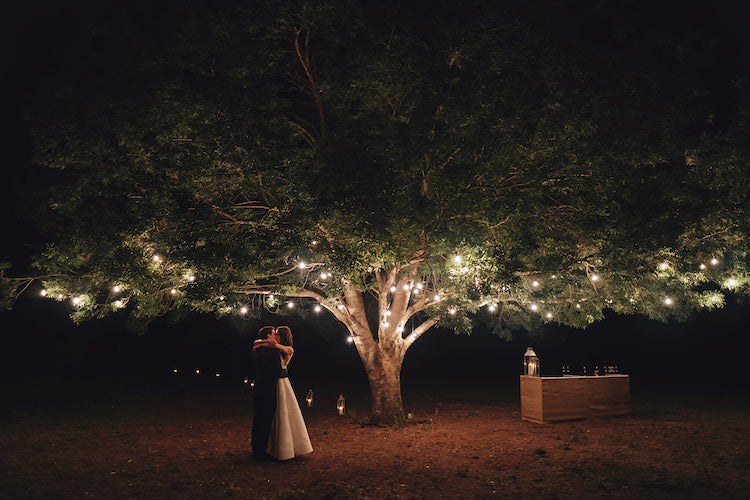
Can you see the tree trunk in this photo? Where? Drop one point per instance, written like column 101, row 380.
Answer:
column 384, row 374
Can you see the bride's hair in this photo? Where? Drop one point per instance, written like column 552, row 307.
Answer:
column 286, row 335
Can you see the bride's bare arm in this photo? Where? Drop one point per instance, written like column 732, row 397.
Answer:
column 286, row 350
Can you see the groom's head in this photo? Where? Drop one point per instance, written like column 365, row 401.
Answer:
column 265, row 332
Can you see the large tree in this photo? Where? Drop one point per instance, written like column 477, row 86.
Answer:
column 398, row 171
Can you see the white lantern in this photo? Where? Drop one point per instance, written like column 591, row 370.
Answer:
column 340, row 404
column 531, row 363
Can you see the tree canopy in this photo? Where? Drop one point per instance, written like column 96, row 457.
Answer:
column 480, row 162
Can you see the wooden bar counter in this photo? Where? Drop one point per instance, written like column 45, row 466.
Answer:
column 554, row 399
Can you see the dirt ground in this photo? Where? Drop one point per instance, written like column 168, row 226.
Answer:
column 455, row 446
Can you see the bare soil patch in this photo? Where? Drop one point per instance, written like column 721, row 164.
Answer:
column 454, row 446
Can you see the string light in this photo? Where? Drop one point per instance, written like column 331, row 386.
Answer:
column 535, row 284
column 457, row 259
column 221, row 297
column 594, row 277
column 116, row 289
column 341, row 307
column 317, row 308
column 350, row 339
column 314, row 242
column 702, row 266
column 76, row 300
column 406, row 287
column 173, row 291
column 393, row 289
column 118, row 303
column 157, row 258
column 243, row 310
column 534, row 307
column 492, row 308
column 731, row 283
column 668, row 301
column 714, row 261
column 43, row 293
column 191, row 278
column 290, row 304
column 549, row 315
column 437, row 298
column 663, row 266
column 452, row 310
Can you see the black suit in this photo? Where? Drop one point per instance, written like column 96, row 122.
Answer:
column 267, row 362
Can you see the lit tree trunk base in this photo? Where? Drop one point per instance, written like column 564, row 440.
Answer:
column 385, row 390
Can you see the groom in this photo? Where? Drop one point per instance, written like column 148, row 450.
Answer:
column 267, row 372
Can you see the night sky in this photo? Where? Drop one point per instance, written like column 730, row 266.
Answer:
column 57, row 41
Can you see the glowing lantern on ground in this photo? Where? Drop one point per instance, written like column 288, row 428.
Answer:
column 340, row 404
column 309, row 398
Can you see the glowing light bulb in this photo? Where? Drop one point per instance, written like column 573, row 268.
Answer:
column 388, row 313
column 174, row 371
column 492, row 307
column 437, row 298
column 118, row 303
column 668, row 301
column 59, row 297
column 714, row 261
column 386, row 324
column 302, row 265
column 663, row 266
column 116, row 289
column 191, row 278
column 350, row 339
column 549, row 315
column 535, row 284
column 594, row 277
column 393, row 289
column 702, row 267
column 578, row 306
column 314, row 242
column 419, row 286
column 197, row 372
column 221, row 297
column 341, row 307
column 43, row 293
column 406, row 287
column 243, row 310
column 731, row 283
column 534, row 307
column 415, row 291
column 270, row 297
column 76, row 300
column 457, row 259
column 290, row 304
column 173, row 291
column 452, row 310
column 317, row 308
column 157, row 258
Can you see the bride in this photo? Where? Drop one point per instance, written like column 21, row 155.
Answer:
column 289, row 437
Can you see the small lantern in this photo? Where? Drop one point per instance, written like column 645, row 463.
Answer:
column 309, row 398
column 340, row 404
column 531, row 363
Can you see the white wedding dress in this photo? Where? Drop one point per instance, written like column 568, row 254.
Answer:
column 289, row 437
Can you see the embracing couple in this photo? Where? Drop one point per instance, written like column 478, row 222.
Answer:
column 279, row 432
